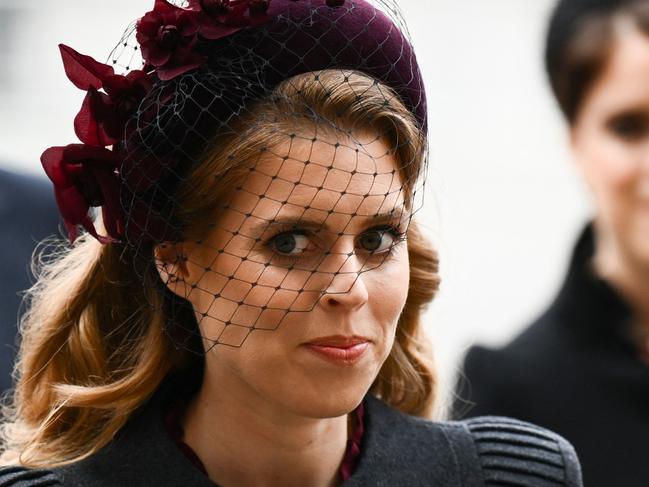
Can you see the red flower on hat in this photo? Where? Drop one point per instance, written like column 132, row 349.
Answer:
column 103, row 116
column 167, row 36
column 221, row 18
column 85, row 176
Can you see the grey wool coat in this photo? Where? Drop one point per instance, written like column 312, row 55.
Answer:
column 397, row 450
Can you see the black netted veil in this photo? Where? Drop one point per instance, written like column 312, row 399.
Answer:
column 257, row 263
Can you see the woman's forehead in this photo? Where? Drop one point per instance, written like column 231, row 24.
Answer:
column 327, row 174
column 622, row 85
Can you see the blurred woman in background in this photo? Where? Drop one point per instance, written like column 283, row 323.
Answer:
column 247, row 310
column 582, row 368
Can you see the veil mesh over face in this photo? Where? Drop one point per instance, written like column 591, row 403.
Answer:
column 286, row 165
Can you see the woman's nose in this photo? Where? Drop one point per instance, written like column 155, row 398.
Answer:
column 347, row 288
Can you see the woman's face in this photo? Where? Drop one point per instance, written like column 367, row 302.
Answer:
column 299, row 287
column 610, row 140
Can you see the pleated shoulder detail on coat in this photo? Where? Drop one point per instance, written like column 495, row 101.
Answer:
column 24, row 477
column 516, row 453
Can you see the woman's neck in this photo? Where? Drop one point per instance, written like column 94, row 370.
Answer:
column 244, row 441
column 629, row 277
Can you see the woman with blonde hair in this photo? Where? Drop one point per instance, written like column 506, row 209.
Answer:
column 247, row 309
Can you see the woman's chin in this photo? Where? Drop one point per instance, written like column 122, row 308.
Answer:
column 334, row 407
column 327, row 402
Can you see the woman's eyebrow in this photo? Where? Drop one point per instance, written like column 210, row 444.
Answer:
column 394, row 217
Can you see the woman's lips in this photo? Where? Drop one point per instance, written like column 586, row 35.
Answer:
column 342, row 351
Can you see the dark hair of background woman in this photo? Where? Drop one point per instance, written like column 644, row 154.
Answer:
column 580, row 39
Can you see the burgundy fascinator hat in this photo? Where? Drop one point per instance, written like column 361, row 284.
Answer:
column 144, row 122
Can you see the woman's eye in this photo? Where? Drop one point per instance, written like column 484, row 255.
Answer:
column 378, row 240
column 289, row 243
column 629, row 126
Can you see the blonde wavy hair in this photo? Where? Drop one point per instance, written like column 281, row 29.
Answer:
column 94, row 347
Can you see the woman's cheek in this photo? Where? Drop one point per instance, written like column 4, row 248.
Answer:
column 608, row 167
column 389, row 289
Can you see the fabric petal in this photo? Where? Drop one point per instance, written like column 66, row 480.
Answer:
column 111, row 209
column 51, row 160
column 72, row 204
column 74, row 211
column 82, row 70
column 89, row 130
column 140, row 78
column 182, row 62
column 154, row 54
column 163, row 7
column 188, row 23
column 76, row 153
column 116, row 84
column 73, row 231
column 114, row 127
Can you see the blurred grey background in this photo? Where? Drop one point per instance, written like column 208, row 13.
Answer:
column 503, row 201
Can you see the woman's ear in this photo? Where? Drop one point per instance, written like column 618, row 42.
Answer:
column 171, row 263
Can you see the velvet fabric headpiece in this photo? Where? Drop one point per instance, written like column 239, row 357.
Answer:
column 203, row 65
